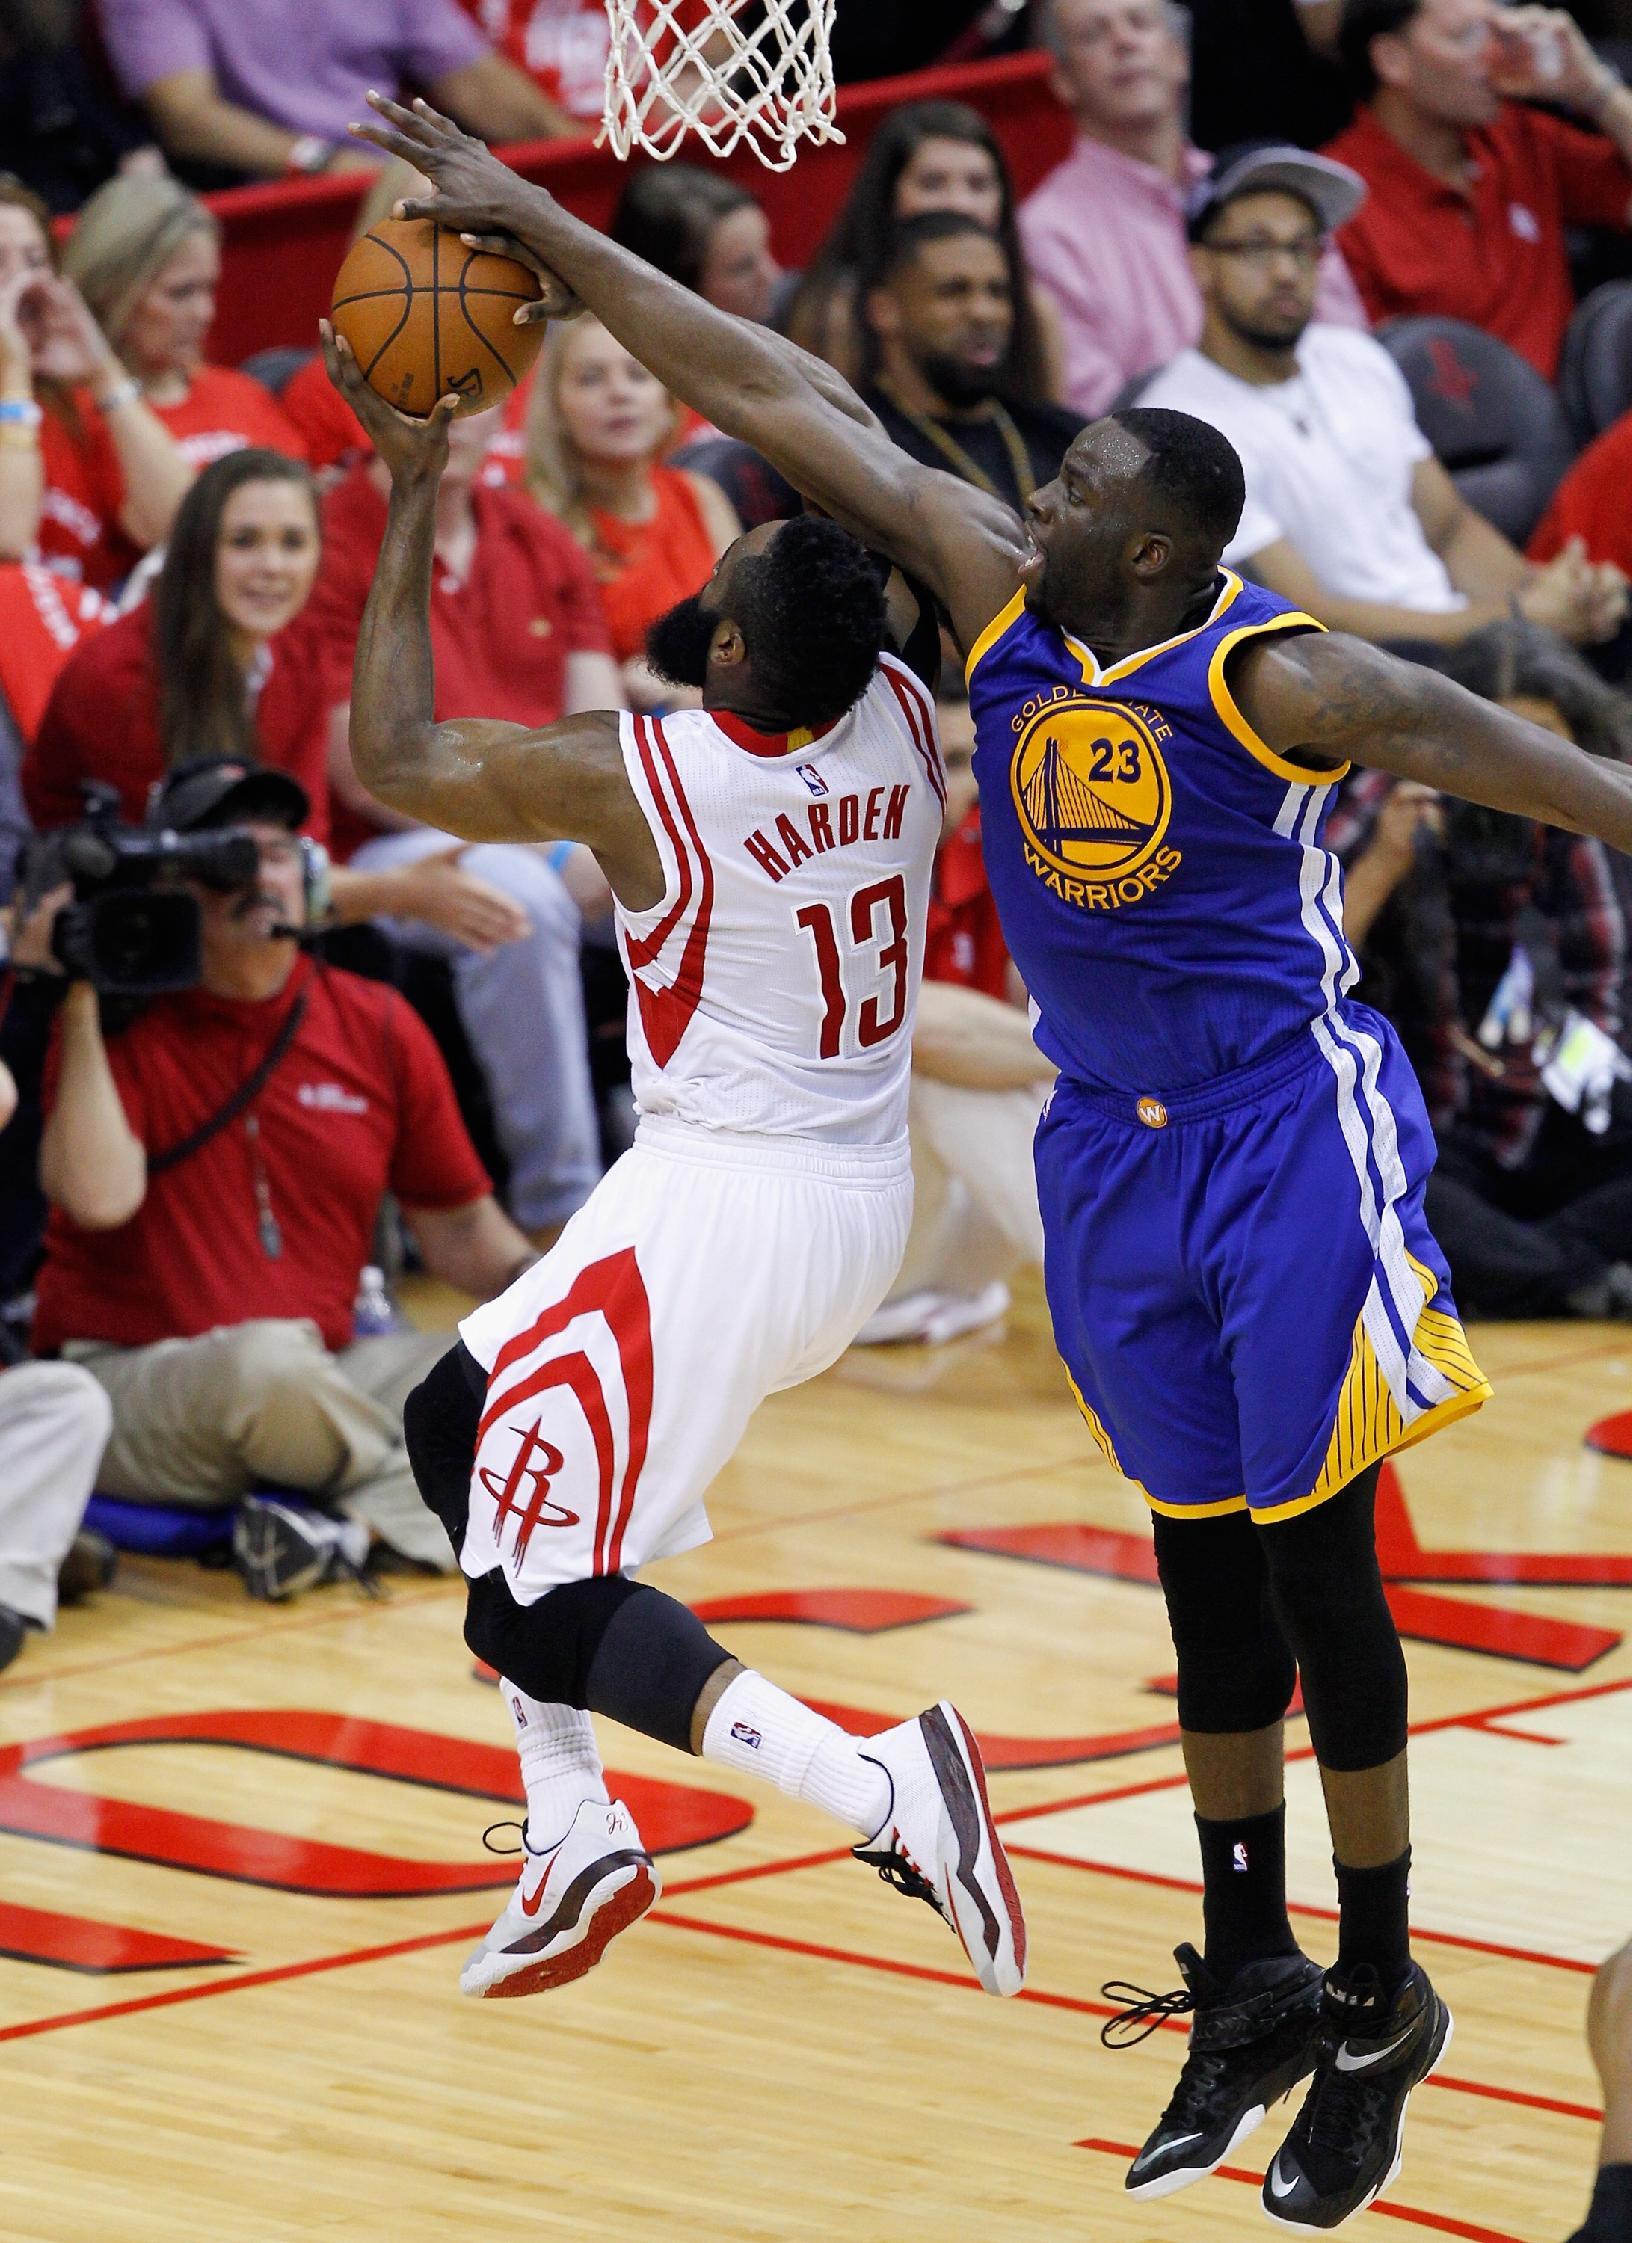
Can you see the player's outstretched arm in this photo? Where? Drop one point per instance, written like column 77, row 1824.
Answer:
column 961, row 543
column 476, row 777
column 1327, row 700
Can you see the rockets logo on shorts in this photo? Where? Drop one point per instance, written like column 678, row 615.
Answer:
column 523, row 1493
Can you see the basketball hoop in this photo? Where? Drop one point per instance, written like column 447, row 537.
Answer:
column 727, row 71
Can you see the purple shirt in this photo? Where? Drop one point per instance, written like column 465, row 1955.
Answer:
column 1104, row 234
column 302, row 64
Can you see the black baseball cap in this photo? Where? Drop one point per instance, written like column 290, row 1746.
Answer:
column 1332, row 190
column 220, row 790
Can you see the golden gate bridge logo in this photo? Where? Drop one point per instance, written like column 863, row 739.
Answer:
column 1092, row 791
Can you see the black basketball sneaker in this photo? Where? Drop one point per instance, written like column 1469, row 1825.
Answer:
column 1345, row 2145
column 1251, row 2040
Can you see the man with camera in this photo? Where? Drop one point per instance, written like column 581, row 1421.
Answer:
column 215, row 1170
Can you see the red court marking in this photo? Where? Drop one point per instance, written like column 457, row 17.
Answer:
column 1611, row 1436
column 1464, row 1626
column 865, row 1612
column 1516, row 1736
column 313, row 1967
column 1299, row 1908
column 1081, row 1549
column 674, row 1815
column 1002, row 1753
column 1405, row 1559
column 1473, row 1719
column 39, row 1935
column 1074, row 2002
column 665, row 1914
column 1410, row 2213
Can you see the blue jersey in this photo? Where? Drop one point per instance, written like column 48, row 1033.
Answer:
column 1157, row 868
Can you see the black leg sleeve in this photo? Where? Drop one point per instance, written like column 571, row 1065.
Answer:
column 1236, row 1672
column 1327, row 1590
column 439, row 1423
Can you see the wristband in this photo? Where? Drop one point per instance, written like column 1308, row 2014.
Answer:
column 19, row 412
column 309, row 154
column 121, row 394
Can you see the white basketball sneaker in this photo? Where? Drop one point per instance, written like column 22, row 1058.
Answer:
column 939, row 1843
column 568, row 1905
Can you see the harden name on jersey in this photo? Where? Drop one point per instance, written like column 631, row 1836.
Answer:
column 772, row 986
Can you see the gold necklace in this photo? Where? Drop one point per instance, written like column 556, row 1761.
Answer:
column 970, row 470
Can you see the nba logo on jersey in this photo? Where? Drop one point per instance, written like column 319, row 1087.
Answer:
column 813, row 779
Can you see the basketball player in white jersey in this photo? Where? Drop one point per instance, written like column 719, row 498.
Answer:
column 770, row 855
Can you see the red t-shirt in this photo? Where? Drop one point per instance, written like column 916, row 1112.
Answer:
column 644, row 568
column 501, row 638
column 102, row 722
column 222, row 412
column 964, row 942
column 359, row 1104
column 43, row 617
column 1494, row 255
column 1591, row 502
column 561, row 44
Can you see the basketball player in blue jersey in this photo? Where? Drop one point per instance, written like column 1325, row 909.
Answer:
column 1249, row 1303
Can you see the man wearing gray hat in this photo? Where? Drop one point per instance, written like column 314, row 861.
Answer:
column 1348, row 513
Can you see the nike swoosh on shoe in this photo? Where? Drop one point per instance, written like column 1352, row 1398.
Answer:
column 1344, row 2062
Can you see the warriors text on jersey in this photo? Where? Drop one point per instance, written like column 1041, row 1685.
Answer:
column 1243, row 1285
column 772, row 987
column 1157, row 867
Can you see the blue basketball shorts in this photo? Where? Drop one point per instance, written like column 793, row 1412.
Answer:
column 1245, row 1291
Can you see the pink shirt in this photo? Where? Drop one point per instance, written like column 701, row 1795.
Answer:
column 1104, row 234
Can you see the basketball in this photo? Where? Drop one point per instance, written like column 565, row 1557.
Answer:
column 428, row 318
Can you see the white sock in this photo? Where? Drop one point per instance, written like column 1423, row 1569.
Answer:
column 559, row 1765
column 759, row 1729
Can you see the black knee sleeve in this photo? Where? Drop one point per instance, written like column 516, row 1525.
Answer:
column 547, row 1648
column 611, row 1645
column 439, row 1424
column 1236, row 1671
column 651, row 1665
column 1327, row 1591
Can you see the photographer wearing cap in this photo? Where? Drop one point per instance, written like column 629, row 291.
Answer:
column 215, row 1172
column 1348, row 515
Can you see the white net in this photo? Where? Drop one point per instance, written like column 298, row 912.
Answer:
column 726, row 71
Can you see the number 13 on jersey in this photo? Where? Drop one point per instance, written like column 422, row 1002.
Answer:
column 863, row 962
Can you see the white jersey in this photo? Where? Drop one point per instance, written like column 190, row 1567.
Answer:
column 772, row 987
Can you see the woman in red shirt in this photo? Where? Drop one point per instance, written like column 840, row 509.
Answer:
column 207, row 665
column 597, row 429
column 82, row 458
column 146, row 256
column 219, row 661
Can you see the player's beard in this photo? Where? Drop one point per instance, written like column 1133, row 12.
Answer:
column 677, row 643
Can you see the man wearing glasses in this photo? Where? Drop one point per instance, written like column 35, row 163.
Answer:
column 1348, row 513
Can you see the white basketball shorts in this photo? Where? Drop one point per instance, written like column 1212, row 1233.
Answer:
column 707, row 1270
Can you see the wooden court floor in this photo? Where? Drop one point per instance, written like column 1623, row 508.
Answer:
column 240, row 1861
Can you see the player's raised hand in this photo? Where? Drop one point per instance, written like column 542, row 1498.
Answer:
column 474, row 192
column 413, row 450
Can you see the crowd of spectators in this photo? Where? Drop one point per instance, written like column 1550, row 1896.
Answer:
column 185, row 552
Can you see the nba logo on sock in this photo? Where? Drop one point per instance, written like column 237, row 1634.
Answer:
column 744, row 1734
column 1238, row 1857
